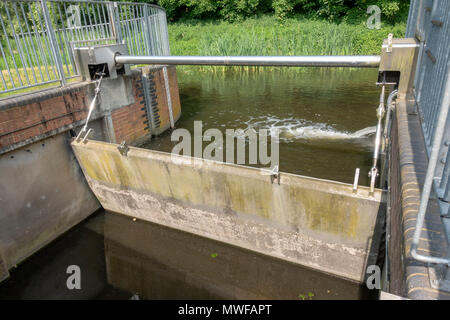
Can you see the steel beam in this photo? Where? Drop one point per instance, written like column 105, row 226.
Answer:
column 281, row 61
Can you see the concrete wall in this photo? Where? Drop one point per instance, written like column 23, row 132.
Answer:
column 42, row 194
column 42, row 190
column 317, row 223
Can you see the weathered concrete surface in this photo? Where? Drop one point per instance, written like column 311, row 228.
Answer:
column 42, row 190
column 317, row 223
column 42, row 194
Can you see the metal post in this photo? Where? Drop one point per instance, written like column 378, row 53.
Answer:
column 53, row 43
column 386, row 135
column 114, row 21
column 373, row 173
column 147, row 32
column 169, row 98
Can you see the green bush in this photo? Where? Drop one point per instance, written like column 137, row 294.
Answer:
column 331, row 10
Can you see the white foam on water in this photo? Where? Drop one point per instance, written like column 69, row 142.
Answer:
column 295, row 129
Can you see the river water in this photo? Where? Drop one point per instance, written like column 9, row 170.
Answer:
column 326, row 117
column 326, row 120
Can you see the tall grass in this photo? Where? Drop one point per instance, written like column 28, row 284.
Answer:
column 267, row 36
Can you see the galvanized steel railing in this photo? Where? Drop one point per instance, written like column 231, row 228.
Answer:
column 37, row 36
column 429, row 21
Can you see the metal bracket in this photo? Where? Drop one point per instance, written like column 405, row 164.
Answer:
column 273, row 173
column 386, row 83
column 389, row 44
column 355, row 181
column 373, row 174
column 85, row 137
column 400, row 55
column 123, row 148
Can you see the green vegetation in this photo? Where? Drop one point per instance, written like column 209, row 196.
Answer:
column 280, row 27
column 237, row 10
column 309, row 296
column 241, row 27
column 268, row 36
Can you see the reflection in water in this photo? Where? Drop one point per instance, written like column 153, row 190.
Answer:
column 326, row 116
column 163, row 263
column 120, row 258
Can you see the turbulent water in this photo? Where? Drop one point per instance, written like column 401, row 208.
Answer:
column 290, row 129
column 325, row 118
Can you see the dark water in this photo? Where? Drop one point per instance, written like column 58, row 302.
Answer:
column 326, row 117
column 319, row 111
column 120, row 258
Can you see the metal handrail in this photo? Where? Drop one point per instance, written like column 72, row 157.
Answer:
column 38, row 51
column 437, row 142
column 431, row 91
column 285, row 61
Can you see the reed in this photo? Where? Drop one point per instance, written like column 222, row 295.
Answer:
column 267, row 36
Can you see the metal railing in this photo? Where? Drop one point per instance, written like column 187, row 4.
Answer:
column 37, row 36
column 431, row 25
column 429, row 22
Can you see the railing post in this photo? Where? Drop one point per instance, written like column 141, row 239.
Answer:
column 166, row 34
column 53, row 42
column 147, row 32
column 115, row 21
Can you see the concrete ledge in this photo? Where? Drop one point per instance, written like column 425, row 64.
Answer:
column 41, row 95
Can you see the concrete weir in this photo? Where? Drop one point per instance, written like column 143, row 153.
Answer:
column 316, row 223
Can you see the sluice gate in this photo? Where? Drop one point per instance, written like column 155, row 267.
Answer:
column 332, row 227
column 320, row 224
column 328, row 227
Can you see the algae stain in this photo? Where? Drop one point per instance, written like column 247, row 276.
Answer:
column 121, row 171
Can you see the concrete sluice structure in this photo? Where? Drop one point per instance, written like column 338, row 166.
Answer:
column 323, row 230
column 316, row 223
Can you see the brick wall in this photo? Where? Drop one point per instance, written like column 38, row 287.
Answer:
column 131, row 122
column 25, row 117
column 159, row 103
column 31, row 117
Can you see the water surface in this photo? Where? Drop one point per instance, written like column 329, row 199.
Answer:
column 120, row 258
column 326, row 117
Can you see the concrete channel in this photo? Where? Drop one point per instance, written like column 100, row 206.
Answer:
column 335, row 232
column 316, row 223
